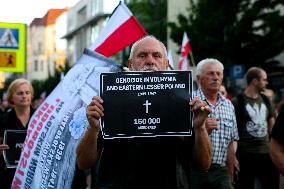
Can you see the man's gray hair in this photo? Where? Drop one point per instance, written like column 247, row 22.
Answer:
column 134, row 46
column 200, row 65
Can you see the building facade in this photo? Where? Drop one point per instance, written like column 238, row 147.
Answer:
column 44, row 53
column 85, row 21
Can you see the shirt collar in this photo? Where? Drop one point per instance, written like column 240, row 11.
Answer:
column 221, row 98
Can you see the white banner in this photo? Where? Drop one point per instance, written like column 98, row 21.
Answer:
column 49, row 153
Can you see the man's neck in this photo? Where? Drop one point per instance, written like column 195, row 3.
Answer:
column 251, row 92
column 211, row 96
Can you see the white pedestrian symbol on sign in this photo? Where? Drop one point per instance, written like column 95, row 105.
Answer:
column 8, row 39
column 147, row 104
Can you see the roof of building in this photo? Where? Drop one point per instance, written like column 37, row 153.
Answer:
column 49, row 18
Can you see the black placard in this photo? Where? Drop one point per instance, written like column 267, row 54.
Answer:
column 15, row 140
column 140, row 104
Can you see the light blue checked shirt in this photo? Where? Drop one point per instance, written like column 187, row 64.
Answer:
column 227, row 132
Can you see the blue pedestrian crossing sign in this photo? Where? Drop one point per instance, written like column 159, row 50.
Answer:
column 9, row 38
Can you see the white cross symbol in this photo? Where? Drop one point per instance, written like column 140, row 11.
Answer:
column 147, row 104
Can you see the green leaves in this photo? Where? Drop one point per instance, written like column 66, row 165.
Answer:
column 235, row 32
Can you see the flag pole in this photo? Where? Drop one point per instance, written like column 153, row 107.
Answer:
column 192, row 59
column 171, row 67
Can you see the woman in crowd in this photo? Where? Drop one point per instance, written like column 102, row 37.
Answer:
column 20, row 95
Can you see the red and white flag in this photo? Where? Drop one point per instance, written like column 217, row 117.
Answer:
column 122, row 29
column 185, row 50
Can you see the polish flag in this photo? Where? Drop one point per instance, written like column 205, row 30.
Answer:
column 122, row 29
column 183, row 63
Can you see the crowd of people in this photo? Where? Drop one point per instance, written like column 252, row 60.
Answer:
column 237, row 142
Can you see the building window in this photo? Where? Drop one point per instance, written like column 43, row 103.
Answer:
column 35, row 65
column 96, row 7
column 95, row 33
column 81, row 16
column 39, row 47
column 41, row 65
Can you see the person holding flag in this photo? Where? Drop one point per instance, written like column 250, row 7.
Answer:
column 143, row 162
column 183, row 63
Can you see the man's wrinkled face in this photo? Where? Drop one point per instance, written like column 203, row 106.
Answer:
column 149, row 55
column 211, row 77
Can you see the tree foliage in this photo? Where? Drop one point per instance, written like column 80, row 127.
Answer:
column 49, row 84
column 235, row 32
column 152, row 14
column 39, row 86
